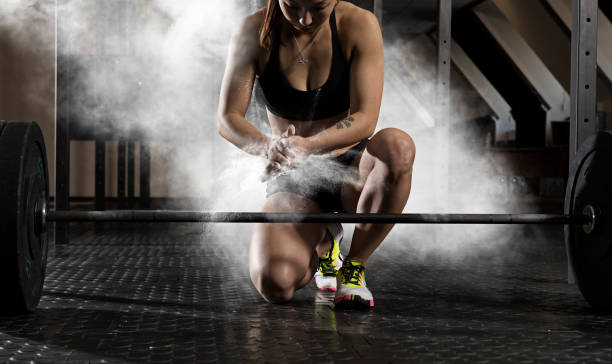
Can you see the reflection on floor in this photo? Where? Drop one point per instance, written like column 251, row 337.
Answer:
column 181, row 294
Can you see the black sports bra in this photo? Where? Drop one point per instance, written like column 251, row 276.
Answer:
column 329, row 100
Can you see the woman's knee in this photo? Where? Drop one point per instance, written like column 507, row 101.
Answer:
column 277, row 280
column 396, row 150
column 281, row 257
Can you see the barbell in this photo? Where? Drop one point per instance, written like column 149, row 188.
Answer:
column 24, row 217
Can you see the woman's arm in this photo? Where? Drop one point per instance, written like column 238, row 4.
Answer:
column 236, row 90
column 367, row 73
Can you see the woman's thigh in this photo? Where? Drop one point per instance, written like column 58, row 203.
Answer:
column 282, row 256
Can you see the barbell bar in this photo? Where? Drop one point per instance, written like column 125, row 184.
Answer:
column 587, row 217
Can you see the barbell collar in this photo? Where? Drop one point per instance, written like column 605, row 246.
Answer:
column 593, row 214
column 40, row 219
column 262, row 217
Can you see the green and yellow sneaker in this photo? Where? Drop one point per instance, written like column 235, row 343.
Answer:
column 325, row 277
column 352, row 291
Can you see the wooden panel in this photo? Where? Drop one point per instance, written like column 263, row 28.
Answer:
column 528, row 162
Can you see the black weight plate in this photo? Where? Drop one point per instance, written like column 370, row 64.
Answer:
column 23, row 184
column 590, row 255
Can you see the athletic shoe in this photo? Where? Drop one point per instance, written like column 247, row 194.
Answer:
column 325, row 277
column 352, row 291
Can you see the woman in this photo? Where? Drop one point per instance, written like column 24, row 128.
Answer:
column 320, row 66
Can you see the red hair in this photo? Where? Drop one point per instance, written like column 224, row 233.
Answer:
column 268, row 34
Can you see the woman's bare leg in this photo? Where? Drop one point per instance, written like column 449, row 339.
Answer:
column 284, row 257
column 385, row 172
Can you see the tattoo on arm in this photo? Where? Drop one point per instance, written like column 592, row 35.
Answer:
column 345, row 123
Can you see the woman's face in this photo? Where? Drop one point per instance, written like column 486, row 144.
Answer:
column 307, row 15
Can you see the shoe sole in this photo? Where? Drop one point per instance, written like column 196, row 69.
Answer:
column 326, row 287
column 353, row 301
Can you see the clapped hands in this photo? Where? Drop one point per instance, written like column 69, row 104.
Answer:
column 285, row 152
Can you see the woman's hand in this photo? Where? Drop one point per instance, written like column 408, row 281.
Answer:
column 297, row 147
column 278, row 152
column 280, row 157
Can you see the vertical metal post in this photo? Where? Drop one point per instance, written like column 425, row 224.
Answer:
column 130, row 173
column 443, row 113
column 100, row 169
column 444, row 49
column 583, row 121
column 584, row 73
column 145, row 173
column 100, row 144
column 62, row 131
column 378, row 10
column 121, row 173
column 125, row 26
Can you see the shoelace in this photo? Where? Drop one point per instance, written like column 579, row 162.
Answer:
column 327, row 266
column 352, row 273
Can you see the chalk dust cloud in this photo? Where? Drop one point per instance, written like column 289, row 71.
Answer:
column 24, row 35
column 160, row 75
column 411, row 102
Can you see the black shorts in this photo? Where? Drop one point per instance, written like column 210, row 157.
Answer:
column 320, row 181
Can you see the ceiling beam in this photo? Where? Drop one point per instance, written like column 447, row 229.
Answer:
column 563, row 9
column 552, row 94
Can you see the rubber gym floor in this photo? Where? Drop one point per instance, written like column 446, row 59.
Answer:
column 181, row 293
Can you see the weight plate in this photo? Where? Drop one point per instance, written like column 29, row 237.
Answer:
column 590, row 253
column 23, row 185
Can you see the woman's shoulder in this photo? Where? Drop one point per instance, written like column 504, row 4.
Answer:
column 355, row 25
column 352, row 16
column 246, row 35
column 251, row 23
